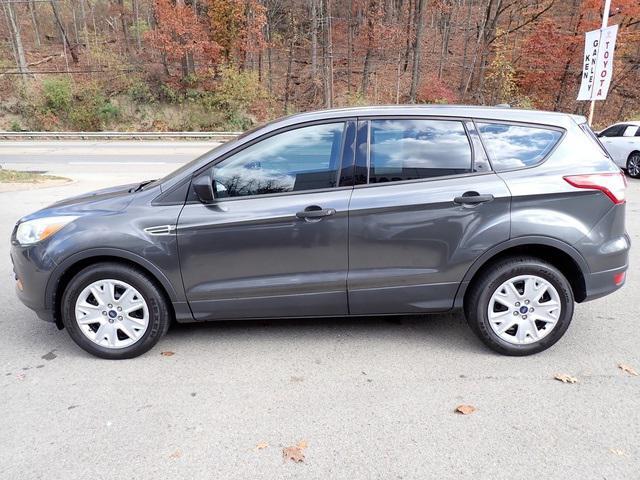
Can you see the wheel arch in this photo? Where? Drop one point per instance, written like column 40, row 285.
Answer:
column 558, row 253
column 67, row 269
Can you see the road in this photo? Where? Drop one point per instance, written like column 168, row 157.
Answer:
column 372, row 397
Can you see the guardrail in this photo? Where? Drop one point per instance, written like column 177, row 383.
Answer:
column 118, row 135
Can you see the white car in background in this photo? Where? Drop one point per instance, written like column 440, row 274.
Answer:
column 622, row 141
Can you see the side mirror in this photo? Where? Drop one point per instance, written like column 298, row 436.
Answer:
column 203, row 186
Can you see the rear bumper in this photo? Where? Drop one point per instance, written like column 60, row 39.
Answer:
column 599, row 284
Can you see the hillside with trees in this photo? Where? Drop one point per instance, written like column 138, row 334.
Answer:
column 229, row 64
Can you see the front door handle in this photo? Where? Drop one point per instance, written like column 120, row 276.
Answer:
column 472, row 198
column 315, row 212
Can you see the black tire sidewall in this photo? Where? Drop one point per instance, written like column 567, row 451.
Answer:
column 494, row 278
column 156, row 304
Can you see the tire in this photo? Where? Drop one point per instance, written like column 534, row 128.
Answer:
column 492, row 291
column 131, row 291
column 633, row 165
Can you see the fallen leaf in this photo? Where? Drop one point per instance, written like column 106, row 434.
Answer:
column 564, row 378
column 175, row 455
column 295, row 454
column 617, row 451
column 627, row 369
column 262, row 445
column 302, row 444
column 466, row 409
column 167, row 354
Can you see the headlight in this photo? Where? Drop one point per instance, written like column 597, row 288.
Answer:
column 33, row 231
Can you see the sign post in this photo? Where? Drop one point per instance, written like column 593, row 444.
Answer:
column 597, row 66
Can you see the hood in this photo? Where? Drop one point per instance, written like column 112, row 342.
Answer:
column 106, row 200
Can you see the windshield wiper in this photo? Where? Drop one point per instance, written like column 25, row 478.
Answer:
column 141, row 186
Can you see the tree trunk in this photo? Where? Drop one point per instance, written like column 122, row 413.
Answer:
column 125, row 26
column 349, row 45
column 34, row 21
column 466, row 46
column 288, row 77
column 136, row 18
column 329, row 61
column 314, row 39
column 417, row 50
column 366, row 69
column 16, row 40
column 65, row 38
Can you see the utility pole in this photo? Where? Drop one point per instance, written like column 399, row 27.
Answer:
column 605, row 22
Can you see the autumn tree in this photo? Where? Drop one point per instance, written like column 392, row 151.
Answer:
column 181, row 36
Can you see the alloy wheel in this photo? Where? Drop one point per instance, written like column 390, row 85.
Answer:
column 633, row 165
column 112, row 313
column 524, row 309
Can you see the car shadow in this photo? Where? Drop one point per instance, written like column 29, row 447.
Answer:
column 437, row 331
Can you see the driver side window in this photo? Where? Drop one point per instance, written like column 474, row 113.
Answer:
column 306, row 158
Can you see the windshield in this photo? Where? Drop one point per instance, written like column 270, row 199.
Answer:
column 209, row 153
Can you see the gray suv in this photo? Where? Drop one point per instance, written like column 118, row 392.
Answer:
column 510, row 215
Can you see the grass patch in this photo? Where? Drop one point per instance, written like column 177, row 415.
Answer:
column 16, row 176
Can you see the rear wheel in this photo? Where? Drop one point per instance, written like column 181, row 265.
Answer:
column 633, row 165
column 520, row 306
column 114, row 311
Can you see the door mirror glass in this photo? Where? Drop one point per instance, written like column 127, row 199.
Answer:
column 203, row 186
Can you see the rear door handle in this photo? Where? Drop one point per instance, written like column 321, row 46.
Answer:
column 472, row 198
column 315, row 212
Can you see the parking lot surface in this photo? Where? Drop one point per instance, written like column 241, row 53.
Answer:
column 370, row 397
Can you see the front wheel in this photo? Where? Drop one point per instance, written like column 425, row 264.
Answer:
column 520, row 306
column 114, row 311
column 633, row 165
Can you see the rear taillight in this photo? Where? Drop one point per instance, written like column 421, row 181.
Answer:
column 612, row 185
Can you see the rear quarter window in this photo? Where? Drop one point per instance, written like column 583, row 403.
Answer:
column 517, row 146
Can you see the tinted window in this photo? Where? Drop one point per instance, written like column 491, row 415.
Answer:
column 414, row 149
column 306, row 158
column 615, row 131
column 515, row 146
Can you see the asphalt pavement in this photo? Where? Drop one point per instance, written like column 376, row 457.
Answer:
column 370, row 397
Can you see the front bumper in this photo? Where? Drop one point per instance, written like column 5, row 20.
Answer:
column 32, row 269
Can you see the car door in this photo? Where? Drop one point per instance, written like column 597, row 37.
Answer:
column 274, row 241
column 615, row 143
column 425, row 206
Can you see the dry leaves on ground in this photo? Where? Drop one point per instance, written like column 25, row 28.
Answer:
column 295, row 453
column 617, row 451
column 167, row 354
column 627, row 369
column 466, row 409
column 565, row 378
column 262, row 445
column 175, row 455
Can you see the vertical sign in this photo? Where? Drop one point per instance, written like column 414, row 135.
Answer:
column 604, row 64
column 597, row 65
column 591, row 43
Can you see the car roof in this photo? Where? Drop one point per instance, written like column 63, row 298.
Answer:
column 478, row 112
column 635, row 123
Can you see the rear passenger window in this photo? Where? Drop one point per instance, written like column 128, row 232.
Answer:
column 516, row 146
column 415, row 149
